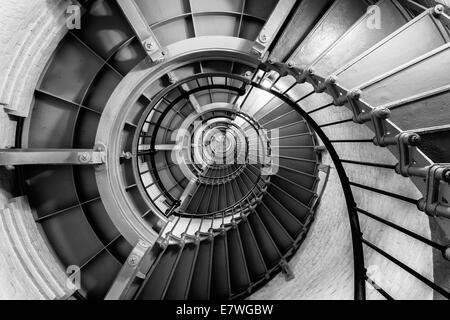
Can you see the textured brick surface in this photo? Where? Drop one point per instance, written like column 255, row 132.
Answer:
column 28, row 270
column 30, row 32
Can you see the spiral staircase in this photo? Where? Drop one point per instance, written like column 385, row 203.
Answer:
column 193, row 150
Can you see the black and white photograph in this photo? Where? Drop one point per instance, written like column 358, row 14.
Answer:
column 223, row 158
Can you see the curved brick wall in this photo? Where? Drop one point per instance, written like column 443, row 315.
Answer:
column 30, row 32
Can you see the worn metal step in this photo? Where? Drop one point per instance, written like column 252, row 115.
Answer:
column 266, row 243
column 277, row 232
column 281, row 116
column 201, row 279
column 158, row 279
column 239, row 276
column 377, row 23
column 302, row 22
column 333, row 24
column 301, row 210
column 398, row 46
column 181, row 279
column 401, row 83
column 220, row 275
column 286, row 218
column 255, row 262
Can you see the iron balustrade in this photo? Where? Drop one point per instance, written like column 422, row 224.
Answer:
column 404, row 141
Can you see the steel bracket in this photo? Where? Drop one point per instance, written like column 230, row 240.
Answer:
column 143, row 32
column 15, row 157
column 352, row 98
column 281, row 68
column 406, row 142
column 378, row 118
column 307, row 74
column 272, row 27
column 300, row 74
column 136, row 267
column 287, row 271
column 332, row 89
column 437, row 179
column 258, row 49
column 320, row 149
column 329, row 85
column 322, row 87
column 153, row 49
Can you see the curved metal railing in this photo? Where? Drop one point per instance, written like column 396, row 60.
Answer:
column 402, row 142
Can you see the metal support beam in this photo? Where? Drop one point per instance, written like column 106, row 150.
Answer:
column 158, row 147
column 166, row 147
column 136, row 267
column 435, row 201
column 272, row 27
column 16, row 157
column 143, row 32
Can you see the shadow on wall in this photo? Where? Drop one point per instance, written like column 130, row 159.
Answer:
column 8, row 187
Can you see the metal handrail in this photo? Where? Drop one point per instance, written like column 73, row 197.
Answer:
column 359, row 269
column 404, row 141
column 360, row 274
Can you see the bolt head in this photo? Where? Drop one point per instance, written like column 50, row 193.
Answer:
column 290, row 64
column 447, row 176
column 332, row 80
column 446, row 253
column 144, row 244
column 148, row 45
column 438, row 10
column 414, row 140
column 383, row 113
column 133, row 260
column 356, row 94
column 263, row 37
column 248, row 74
column 84, row 157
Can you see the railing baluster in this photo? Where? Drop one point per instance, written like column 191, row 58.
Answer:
column 431, row 243
column 378, row 288
column 386, row 193
column 429, row 283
